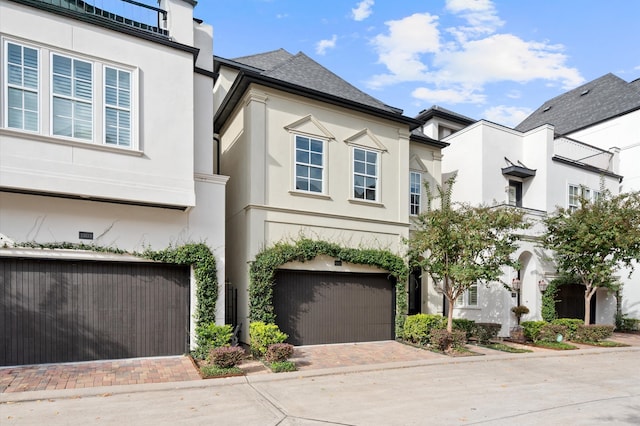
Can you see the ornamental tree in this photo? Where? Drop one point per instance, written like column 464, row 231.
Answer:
column 594, row 241
column 459, row 245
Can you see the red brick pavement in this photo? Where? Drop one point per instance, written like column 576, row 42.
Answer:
column 97, row 373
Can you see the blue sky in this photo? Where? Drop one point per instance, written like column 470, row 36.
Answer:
column 498, row 60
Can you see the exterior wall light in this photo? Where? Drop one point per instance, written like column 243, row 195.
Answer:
column 542, row 285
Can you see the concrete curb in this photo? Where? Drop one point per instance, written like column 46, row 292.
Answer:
column 16, row 397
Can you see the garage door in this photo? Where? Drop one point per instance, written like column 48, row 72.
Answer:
column 60, row 311
column 326, row 307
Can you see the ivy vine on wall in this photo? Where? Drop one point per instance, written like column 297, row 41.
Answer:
column 198, row 255
column 263, row 270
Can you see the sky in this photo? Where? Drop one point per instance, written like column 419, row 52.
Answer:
column 495, row 60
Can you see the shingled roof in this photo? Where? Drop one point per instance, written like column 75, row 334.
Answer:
column 301, row 70
column 601, row 99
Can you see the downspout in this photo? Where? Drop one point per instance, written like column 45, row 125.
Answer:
column 216, row 140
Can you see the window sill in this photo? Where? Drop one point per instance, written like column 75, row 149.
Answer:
column 365, row 202
column 468, row 308
column 310, row 195
column 69, row 142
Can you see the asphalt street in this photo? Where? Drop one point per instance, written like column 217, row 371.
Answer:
column 588, row 388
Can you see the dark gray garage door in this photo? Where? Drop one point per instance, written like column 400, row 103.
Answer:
column 59, row 311
column 326, row 307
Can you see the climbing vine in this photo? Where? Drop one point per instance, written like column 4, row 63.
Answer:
column 198, row 255
column 548, row 309
column 263, row 269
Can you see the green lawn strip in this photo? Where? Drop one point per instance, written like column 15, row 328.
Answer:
column 211, row 371
column 504, row 348
column 602, row 343
column 558, row 346
column 281, row 366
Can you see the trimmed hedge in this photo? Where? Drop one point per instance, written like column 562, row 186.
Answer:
column 532, row 329
column 209, row 336
column 549, row 332
column 572, row 325
column 443, row 340
column 485, row 331
column 262, row 335
column 278, row 352
column 226, row 356
column 468, row 326
column 593, row 332
column 418, row 328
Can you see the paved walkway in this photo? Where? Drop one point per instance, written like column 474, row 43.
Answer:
column 181, row 368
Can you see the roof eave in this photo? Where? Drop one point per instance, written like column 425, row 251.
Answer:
column 246, row 78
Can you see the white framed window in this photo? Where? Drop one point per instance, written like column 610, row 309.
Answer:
column 365, row 174
column 85, row 100
column 469, row 297
column 309, row 164
column 72, row 97
column 574, row 197
column 117, row 107
column 22, row 87
column 596, row 195
column 415, row 190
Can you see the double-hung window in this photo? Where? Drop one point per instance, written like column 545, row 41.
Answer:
column 84, row 100
column 415, row 186
column 117, row 107
column 574, row 197
column 22, row 67
column 72, row 97
column 309, row 164
column 365, row 174
column 469, row 297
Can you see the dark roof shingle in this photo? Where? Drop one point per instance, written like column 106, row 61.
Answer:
column 601, row 99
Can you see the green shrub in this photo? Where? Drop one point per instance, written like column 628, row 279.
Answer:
column 623, row 323
column 278, row 352
column 572, row 325
column 468, row 326
column 226, row 356
column 209, row 336
column 442, row 340
column 282, row 366
column 531, row 329
column 593, row 332
column 418, row 328
column 262, row 335
column 485, row 331
column 549, row 332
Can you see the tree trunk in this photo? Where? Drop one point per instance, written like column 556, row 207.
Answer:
column 450, row 315
column 588, row 293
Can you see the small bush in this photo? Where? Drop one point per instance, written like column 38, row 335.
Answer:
column 549, row 332
column 442, row 340
column 572, row 325
column 628, row 324
column 209, row 336
column 593, row 332
column 263, row 335
column 532, row 329
column 468, row 326
column 278, row 352
column 226, row 356
column 485, row 331
column 418, row 328
column 282, row 366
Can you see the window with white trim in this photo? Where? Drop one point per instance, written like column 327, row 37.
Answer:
column 72, row 97
column 365, row 174
column 22, row 87
column 415, row 188
column 574, row 197
column 117, row 107
column 87, row 100
column 309, row 167
column 469, row 297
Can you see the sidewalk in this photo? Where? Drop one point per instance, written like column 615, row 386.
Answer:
column 319, row 358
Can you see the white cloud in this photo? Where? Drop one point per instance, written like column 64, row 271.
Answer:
column 506, row 115
column 459, row 95
column 323, row 45
column 362, row 10
column 455, row 66
column 400, row 49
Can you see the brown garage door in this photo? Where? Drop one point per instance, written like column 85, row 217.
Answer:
column 60, row 311
column 326, row 307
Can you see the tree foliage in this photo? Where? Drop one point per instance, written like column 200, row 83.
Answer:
column 459, row 245
column 593, row 242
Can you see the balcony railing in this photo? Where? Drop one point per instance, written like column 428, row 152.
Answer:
column 129, row 13
column 582, row 153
